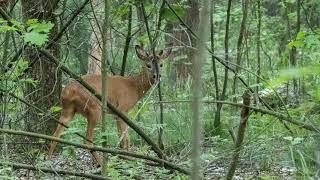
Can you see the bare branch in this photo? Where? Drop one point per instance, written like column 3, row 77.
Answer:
column 161, row 162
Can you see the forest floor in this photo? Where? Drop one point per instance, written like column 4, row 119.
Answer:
column 126, row 169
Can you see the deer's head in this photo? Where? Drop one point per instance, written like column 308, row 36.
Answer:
column 152, row 62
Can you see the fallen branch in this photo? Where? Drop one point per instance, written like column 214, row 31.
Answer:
column 263, row 111
column 53, row 171
column 161, row 162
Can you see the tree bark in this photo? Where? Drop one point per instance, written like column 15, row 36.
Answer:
column 217, row 117
column 182, row 68
column 258, row 48
column 242, row 128
column 197, row 63
column 46, row 93
column 245, row 4
column 104, row 68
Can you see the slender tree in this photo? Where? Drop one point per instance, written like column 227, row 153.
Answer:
column 214, row 67
column 196, row 90
column 104, row 68
column 238, row 61
column 258, row 45
column 217, row 118
column 293, row 53
column 240, row 46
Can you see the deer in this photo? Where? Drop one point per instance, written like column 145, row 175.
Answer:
column 122, row 91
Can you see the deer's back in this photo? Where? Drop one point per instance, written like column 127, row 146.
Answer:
column 121, row 93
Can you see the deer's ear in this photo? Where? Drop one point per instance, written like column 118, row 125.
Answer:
column 164, row 53
column 141, row 53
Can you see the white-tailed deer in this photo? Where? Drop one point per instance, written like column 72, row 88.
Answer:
column 122, row 92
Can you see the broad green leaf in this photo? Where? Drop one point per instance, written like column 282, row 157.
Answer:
column 296, row 44
column 35, row 38
column 301, row 35
column 41, row 27
column 37, row 33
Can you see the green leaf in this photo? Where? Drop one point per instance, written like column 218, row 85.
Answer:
column 31, row 21
column 44, row 27
column 296, row 44
column 7, row 28
column 301, row 35
column 289, row 138
column 35, row 38
column 55, row 109
column 37, row 33
column 18, row 25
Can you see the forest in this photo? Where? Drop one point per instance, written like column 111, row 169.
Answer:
column 159, row 89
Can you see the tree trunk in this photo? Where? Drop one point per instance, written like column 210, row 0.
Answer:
column 293, row 53
column 217, row 118
column 197, row 63
column 182, row 67
column 258, row 48
column 46, row 93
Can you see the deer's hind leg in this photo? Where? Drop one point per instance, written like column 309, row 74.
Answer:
column 93, row 117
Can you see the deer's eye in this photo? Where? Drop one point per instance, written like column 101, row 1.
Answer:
column 149, row 66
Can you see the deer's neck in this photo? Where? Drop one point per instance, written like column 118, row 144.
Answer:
column 143, row 82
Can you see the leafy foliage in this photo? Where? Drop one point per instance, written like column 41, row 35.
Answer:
column 34, row 32
column 37, row 32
